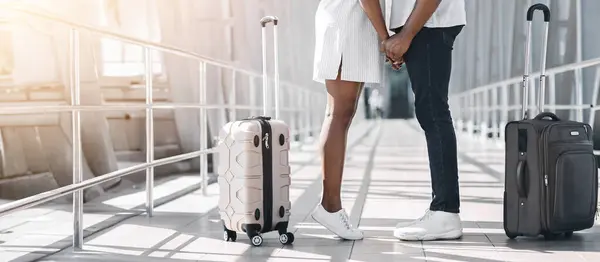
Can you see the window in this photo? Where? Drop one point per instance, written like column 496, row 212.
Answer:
column 6, row 50
column 121, row 59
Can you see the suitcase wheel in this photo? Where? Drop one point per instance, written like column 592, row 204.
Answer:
column 256, row 240
column 511, row 235
column 550, row 236
column 229, row 235
column 287, row 238
column 569, row 234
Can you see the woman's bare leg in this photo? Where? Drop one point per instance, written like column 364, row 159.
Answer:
column 342, row 102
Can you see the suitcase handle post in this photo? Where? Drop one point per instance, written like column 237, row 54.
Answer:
column 263, row 22
column 542, row 95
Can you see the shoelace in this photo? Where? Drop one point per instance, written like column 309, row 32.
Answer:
column 426, row 216
column 345, row 220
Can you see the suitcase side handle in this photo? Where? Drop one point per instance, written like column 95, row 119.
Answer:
column 525, row 85
column 521, row 169
column 540, row 7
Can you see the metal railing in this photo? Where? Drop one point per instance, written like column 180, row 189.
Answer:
column 487, row 109
column 304, row 117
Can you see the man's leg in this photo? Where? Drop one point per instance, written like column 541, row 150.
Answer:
column 429, row 62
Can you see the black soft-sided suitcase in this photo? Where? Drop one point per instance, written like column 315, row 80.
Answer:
column 551, row 184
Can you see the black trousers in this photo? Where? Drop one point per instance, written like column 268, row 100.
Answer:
column 429, row 63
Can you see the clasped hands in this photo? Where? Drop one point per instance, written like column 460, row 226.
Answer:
column 395, row 48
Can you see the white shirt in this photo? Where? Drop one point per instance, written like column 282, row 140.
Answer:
column 449, row 13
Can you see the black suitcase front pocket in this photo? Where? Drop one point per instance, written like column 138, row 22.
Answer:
column 575, row 191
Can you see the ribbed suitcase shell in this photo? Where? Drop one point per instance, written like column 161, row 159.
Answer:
column 244, row 196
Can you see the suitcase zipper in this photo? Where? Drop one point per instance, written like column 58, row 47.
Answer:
column 544, row 203
column 267, row 165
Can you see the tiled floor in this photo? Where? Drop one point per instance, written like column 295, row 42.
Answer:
column 386, row 181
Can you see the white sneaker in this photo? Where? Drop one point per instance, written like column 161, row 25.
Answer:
column 410, row 223
column 434, row 225
column 338, row 223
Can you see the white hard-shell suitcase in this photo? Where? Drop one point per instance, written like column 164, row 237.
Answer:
column 254, row 172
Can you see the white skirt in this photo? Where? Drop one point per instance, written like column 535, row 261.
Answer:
column 345, row 35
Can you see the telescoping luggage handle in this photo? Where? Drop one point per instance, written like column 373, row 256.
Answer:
column 263, row 22
column 522, row 167
column 530, row 13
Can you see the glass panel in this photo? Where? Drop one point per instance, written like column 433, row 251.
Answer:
column 123, row 69
column 122, row 59
column 112, row 50
column 564, row 8
column 562, row 45
column 156, row 56
column 129, row 69
column 6, row 53
column 133, row 53
column 157, row 68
